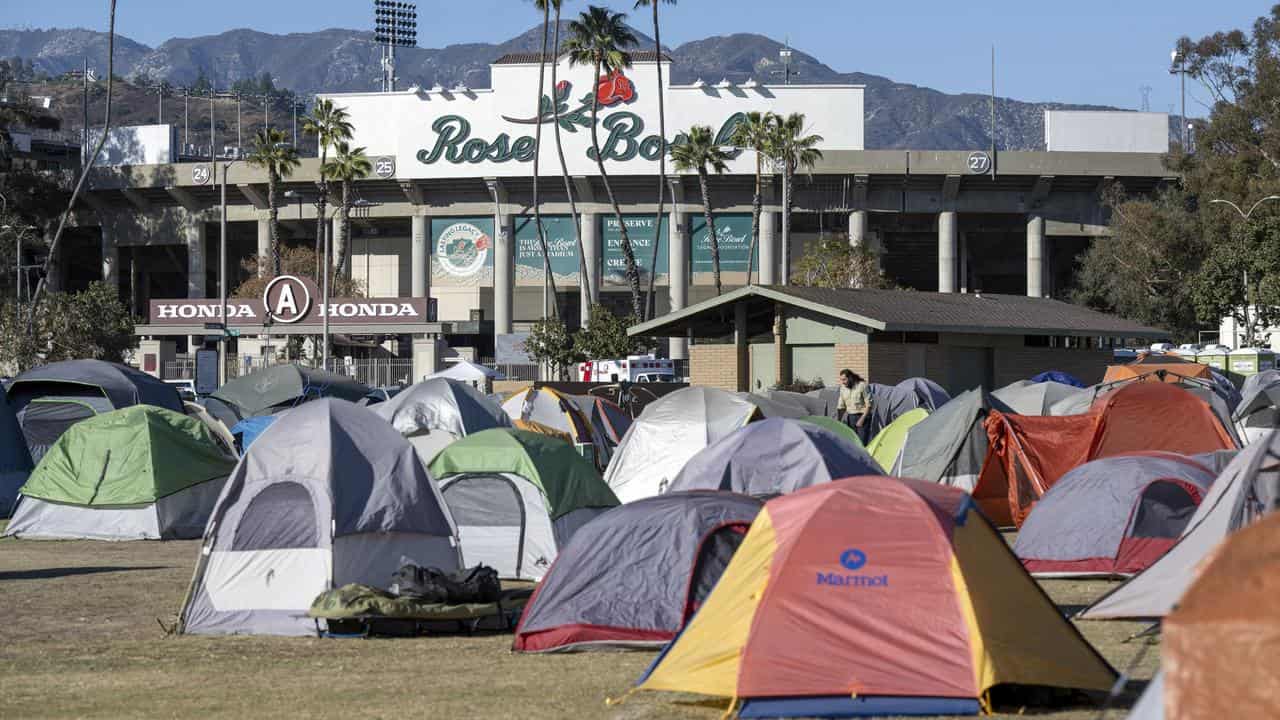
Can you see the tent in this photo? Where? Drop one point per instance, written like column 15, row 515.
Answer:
column 609, row 421
column 1032, row 398
column 1259, row 408
column 771, row 407
column 329, row 495
column 141, row 473
column 279, row 387
column 517, row 498
column 836, row 426
column 1150, row 706
column 810, row 403
column 891, row 402
column 562, row 412
column 1039, row 450
column 15, row 460
column 1157, row 368
column 948, row 446
column 1112, row 517
column 668, row 432
column 676, row 545
column 220, row 432
column 887, row 443
column 773, row 457
column 1243, row 493
column 468, row 372
column 51, row 398
column 247, row 430
column 1218, row 647
column 1058, row 377
column 873, row 596
column 436, row 412
column 1217, row 392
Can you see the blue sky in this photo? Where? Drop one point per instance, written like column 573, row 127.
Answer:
column 1086, row 51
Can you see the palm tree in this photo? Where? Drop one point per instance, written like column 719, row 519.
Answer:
column 597, row 38
column 279, row 159
column 547, row 277
column 792, row 150
column 662, row 133
column 585, row 278
column 754, row 133
column 348, row 164
column 329, row 123
column 697, row 153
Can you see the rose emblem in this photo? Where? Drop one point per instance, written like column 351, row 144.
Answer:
column 482, row 242
column 615, row 88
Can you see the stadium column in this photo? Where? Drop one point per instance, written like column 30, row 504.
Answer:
column 264, row 246
column 947, row 240
column 110, row 259
column 1035, row 255
column 768, row 248
column 677, row 268
column 741, row 354
column 196, row 239
column 420, row 259
column 858, row 229
column 503, row 259
column 591, row 258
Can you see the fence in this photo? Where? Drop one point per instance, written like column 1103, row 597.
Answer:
column 374, row 372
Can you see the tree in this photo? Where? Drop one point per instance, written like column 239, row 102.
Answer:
column 92, row 323
column 605, row 336
column 547, row 277
column 271, row 153
column 754, row 133
column 833, row 263
column 330, row 124
column 662, row 133
column 298, row 260
column 1240, row 278
column 792, row 150
column 699, row 151
column 1146, row 269
column 599, row 38
column 348, row 165
column 550, row 343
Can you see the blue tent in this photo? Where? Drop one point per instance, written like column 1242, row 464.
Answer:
column 15, row 461
column 1059, row 377
column 248, row 430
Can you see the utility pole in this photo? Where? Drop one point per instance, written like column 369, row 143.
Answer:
column 84, row 107
column 186, row 119
column 1180, row 68
column 785, row 56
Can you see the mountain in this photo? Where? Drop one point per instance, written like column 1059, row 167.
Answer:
column 898, row 115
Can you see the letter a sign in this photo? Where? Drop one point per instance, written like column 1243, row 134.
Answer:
column 287, row 299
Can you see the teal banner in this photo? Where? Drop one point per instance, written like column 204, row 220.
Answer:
column 462, row 250
column 640, row 228
column 733, row 230
column 562, row 248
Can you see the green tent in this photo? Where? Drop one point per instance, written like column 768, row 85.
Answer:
column 142, row 472
column 517, row 497
column 835, row 426
column 887, row 443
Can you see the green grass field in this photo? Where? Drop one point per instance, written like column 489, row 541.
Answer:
column 83, row 638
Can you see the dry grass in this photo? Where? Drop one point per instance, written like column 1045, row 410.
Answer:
column 81, row 639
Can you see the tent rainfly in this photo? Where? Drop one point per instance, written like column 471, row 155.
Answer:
column 434, row 413
column 279, row 387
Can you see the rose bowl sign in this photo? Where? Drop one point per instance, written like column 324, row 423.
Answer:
column 293, row 301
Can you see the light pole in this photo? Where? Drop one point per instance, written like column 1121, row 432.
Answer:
column 1179, row 67
column 213, row 137
column 1248, row 327
column 222, row 276
column 395, row 25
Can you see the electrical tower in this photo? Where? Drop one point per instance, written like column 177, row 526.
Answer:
column 1146, row 97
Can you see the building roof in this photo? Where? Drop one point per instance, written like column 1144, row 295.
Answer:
column 898, row 311
column 530, row 58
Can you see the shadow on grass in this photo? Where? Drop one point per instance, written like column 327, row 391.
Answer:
column 49, row 573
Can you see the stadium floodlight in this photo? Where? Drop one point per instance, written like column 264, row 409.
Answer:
column 395, row 24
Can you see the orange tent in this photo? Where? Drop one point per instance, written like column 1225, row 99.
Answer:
column 1157, row 368
column 1027, row 455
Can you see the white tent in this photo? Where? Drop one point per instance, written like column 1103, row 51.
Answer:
column 468, row 372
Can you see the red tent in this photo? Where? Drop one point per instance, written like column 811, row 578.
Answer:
column 1028, row 454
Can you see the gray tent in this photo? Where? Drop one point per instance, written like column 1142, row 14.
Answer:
column 15, row 461
column 330, row 494
column 889, row 402
column 1112, row 517
column 774, row 457
column 813, row 404
column 949, row 446
column 271, row 389
column 771, row 408
column 437, row 411
column 1244, row 492
column 633, row 576
column 1028, row 398
column 1259, row 408
column 51, row 398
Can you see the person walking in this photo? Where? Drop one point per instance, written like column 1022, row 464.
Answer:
column 854, row 406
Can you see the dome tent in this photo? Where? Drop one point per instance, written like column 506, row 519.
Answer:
column 15, row 460
column 839, row 428
column 328, row 495
column 436, row 412
column 141, row 473
column 773, row 457
column 668, row 432
column 678, row 543
column 873, row 596
column 517, row 497
column 561, row 412
column 1033, row 398
column 1259, row 408
column 887, row 443
column 1114, row 516
column 270, row 389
